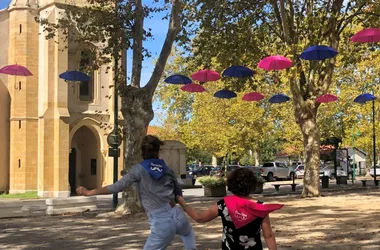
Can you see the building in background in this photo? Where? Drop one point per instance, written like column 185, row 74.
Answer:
column 53, row 132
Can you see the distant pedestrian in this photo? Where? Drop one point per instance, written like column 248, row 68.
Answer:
column 243, row 217
column 157, row 187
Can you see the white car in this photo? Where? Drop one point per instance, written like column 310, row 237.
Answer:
column 330, row 172
column 278, row 170
column 372, row 171
column 300, row 171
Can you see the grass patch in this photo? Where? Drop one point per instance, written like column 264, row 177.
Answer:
column 27, row 195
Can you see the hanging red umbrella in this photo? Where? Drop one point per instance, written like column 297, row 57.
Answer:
column 274, row 63
column 327, row 98
column 206, row 75
column 370, row 35
column 253, row 97
column 193, row 88
column 15, row 70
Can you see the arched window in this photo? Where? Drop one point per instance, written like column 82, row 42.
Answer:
column 86, row 89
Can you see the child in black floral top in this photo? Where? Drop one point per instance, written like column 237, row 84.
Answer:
column 243, row 219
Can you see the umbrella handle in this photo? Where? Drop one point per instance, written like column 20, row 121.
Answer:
column 19, row 85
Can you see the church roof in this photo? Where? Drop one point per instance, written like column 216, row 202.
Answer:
column 23, row 3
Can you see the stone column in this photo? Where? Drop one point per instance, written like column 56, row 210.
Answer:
column 53, row 116
column 23, row 50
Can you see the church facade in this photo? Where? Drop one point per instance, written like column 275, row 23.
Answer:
column 53, row 132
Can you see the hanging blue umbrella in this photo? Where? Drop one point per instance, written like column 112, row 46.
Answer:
column 363, row 98
column 226, row 94
column 318, row 52
column 178, row 79
column 279, row 98
column 238, row 71
column 75, row 76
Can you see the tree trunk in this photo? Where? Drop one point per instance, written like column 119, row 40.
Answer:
column 308, row 124
column 137, row 110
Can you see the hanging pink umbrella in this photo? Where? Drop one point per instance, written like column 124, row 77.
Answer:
column 15, row 70
column 253, row 97
column 274, row 63
column 327, row 98
column 193, row 88
column 370, row 35
column 206, row 75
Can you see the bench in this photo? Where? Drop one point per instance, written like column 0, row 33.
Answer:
column 364, row 182
column 277, row 186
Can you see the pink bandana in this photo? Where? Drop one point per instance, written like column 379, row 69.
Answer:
column 243, row 211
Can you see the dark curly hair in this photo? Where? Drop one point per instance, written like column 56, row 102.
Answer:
column 241, row 182
column 150, row 147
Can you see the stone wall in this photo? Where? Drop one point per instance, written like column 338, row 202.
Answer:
column 4, row 103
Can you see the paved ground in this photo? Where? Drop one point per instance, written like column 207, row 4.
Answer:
column 347, row 219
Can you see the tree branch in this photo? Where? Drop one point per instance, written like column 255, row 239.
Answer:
column 137, row 44
column 174, row 28
column 324, row 18
column 344, row 22
column 278, row 16
column 285, row 21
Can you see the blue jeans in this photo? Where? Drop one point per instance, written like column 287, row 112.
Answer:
column 165, row 223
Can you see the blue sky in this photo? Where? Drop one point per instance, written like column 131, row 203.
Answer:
column 159, row 28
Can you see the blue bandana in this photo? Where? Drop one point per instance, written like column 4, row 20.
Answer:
column 155, row 167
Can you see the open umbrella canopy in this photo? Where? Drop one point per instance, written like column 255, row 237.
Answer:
column 193, row 88
column 238, row 71
column 178, row 79
column 279, row 98
column 363, row 98
column 274, row 63
column 327, row 98
column 75, row 76
column 369, row 35
column 226, row 94
column 206, row 75
column 253, row 97
column 318, row 52
column 15, row 70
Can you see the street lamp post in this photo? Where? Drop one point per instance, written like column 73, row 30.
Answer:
column 114, row 139
column 374, row 142
column 363, row 98
column 357, row 133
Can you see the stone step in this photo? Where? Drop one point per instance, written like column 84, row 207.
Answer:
column 70, row 205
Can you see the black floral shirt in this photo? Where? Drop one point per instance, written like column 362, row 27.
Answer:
column 244, row 238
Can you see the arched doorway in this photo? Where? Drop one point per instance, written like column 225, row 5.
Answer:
column 84, row 161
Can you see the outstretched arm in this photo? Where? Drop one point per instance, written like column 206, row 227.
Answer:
column 268, row 234
column 205, row 216
column 120, row 185
column 84, row 191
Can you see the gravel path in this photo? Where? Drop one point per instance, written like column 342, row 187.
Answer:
column 340, row 220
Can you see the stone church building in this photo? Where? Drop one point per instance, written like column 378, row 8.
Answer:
column 52, row 131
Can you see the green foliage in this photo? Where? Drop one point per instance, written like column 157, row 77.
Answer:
column 260, row 181
column 211, row 181
column 246, row 160
column 196, row 155
column 27, row 195
column 243, row 32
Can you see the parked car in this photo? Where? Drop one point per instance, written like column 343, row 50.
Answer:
column 300, row 171
column 192, row 167
column 220, row 171
column 254, row 169
column 372, row 171
column 330, row 172
column 215, row 170
column 201, row 171
column 278, row 170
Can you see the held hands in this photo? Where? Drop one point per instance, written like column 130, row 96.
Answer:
column 82, row 191
column 181, row 201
